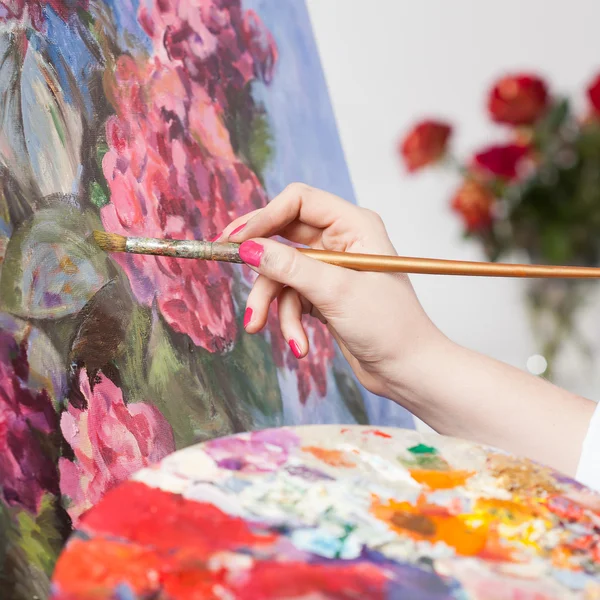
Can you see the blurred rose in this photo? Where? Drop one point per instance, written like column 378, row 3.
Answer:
column 111, row 441
column 501, row 161
column 518, row 100
column 26, row 415
column 425, row 144
column 593, row 93
column 474, row 202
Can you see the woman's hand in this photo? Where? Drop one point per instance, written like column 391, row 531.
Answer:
column 375, row 317
column 392, row 346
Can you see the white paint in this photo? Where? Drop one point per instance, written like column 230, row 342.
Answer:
column 390, row 62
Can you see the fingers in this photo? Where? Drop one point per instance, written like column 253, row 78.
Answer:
column 290, row 321
column 298, row 202
column 263, row 292
column 235, row 225
column 321, row 284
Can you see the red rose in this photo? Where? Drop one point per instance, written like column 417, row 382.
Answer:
column 518, row 99
column 500, row 161
column 473, row 201
column 593, row 93
column 425, row 144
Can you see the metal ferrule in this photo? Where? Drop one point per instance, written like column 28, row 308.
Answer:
column 224, row 252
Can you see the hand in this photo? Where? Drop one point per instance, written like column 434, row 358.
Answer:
column 375, row 317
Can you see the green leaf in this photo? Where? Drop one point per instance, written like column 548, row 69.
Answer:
column 548, row 126
column 52, row 268
column 181, row 389
column 251, row 378
column 98, row 195
column 556, row 245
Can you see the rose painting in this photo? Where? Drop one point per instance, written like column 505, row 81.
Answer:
column 162, row 118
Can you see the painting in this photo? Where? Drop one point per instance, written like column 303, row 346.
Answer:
column 162, row 118
column 327, row 512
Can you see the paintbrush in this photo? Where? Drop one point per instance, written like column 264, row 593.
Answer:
column 229, row 252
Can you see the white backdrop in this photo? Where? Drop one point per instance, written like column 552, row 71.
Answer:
column 390, row 62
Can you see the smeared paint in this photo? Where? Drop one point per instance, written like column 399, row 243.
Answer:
column 335, row 458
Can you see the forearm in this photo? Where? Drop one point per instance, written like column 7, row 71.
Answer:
column 462, row 393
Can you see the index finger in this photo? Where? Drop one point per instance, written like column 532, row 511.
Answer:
column 297, row 202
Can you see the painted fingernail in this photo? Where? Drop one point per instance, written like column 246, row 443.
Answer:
column 295, row 348
column 247, row 317
column 251, row 253
column 237, row 229
column 217, row 237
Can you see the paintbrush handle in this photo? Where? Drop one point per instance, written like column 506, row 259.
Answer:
column 229, row 252
column 433, row 266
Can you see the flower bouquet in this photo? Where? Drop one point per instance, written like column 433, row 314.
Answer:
column 536, row 193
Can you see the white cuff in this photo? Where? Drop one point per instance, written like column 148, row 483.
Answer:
column 588, row 470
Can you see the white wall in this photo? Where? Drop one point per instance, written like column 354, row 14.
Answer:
column 389, row 62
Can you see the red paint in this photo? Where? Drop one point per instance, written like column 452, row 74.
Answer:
column 251, row 253
column 295, row 348
column 379, row 433
column 168, row 522
column 247, row 317
column 237, row 229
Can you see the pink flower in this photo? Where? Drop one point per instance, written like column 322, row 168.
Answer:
column 18, row 9
column 173, row 174
column 111, row 441
column 26, row 469
column 220, row 46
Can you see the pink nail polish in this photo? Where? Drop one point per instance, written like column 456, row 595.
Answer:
column 295, row 348
column 251, row 253
column 247, row 317
column 237, row 229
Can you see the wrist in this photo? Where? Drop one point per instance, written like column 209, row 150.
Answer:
column 407, row 378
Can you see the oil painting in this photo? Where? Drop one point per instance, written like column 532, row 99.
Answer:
column 160, row 118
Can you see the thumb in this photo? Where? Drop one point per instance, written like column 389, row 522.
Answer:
column 318, row 282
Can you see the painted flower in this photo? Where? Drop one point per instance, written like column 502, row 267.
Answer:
column 173, row 173
column 425, row 144
column 34, row 10
column 221, row 46
column 474, row 202
column 254, row 452
column 26, row 417
column 111, row 440
column 593, row 94
column 501, row 161
column 518, row 99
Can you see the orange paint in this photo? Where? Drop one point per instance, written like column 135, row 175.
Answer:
column 409, row 520
column 334, row 458
column 440, row 480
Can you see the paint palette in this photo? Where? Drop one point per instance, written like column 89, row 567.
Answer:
column 346, row 513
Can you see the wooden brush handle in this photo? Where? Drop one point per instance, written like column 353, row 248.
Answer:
column 434, row 266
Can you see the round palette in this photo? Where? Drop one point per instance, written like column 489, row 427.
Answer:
column 337, row 512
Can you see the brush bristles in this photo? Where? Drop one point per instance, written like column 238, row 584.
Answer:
column 110, row 242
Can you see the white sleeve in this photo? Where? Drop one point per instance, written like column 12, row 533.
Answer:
column 588, row 470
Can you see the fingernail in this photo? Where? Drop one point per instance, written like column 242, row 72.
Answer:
column 295, row 348
column 251, row 253
column 247, row 317
column 216, row 238
column 237, row 229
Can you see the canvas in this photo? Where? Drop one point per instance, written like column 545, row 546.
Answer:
column 161, row 118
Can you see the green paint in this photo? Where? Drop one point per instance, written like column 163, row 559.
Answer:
column 98, row 195
column 422, row 449
column 57, row 124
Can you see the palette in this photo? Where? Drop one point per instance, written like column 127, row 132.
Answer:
column 337, row 512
